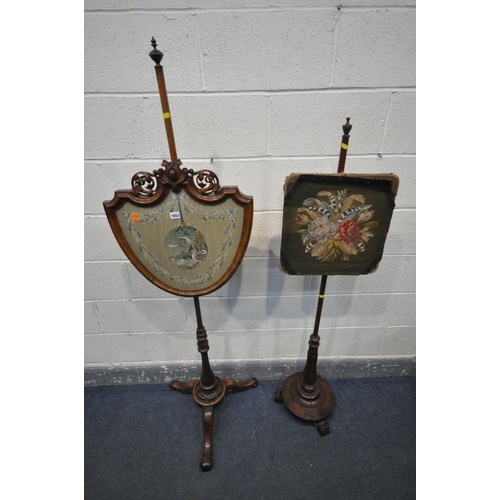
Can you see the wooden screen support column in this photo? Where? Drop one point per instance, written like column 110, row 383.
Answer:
column 209, row 390
column 305, row 394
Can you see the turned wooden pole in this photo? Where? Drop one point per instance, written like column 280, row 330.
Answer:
column 307, row 395
column 208, row 380
column 344, row 146
column 209, row 390
column 157, row 56
column 310, row 373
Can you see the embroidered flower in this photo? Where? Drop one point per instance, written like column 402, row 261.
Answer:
column 334, row 226
column 349, row 231
column 319, row 229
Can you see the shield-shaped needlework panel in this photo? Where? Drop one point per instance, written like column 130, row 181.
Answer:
column 184, row 243
column 336, row 224
column 181, row 230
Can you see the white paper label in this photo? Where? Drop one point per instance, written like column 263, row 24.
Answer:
column 175, row 215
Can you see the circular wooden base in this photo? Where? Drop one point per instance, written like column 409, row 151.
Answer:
column 209, row 397
column 310, row 407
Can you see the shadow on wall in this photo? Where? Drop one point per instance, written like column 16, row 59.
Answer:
column 233, row 288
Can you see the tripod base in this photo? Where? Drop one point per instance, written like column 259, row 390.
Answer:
column 207, row 401
column 313, row 407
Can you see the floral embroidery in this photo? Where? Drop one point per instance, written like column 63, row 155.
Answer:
column 194, row 255
column 335, row 226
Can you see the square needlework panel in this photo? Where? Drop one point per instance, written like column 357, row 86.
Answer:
column 336, row 224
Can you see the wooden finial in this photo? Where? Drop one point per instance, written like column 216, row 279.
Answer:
column 347, row 127
column 155, row 54
column 343, row 146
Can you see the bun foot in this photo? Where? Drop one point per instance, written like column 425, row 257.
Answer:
column 323, row 428
column 278, row 396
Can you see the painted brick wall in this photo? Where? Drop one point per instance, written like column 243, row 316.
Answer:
column 263, row 88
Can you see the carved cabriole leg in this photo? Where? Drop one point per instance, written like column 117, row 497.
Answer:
column 208, row 424
column 175, row 385
column 209, row 390
column 240, row 386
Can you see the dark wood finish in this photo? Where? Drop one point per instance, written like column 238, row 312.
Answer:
column 150, row 189
column 310, row 370
column 210, row 390
column 305, row 394
column 344, row 146
column 208, row 425
column 240, row 386
column 312, row 407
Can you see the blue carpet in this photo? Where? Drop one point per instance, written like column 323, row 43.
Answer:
column 145, row 442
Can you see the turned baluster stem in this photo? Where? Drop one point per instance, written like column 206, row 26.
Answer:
column 310, row 371
column 207, row 379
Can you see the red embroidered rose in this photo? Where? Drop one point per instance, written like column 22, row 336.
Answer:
column 349, row 231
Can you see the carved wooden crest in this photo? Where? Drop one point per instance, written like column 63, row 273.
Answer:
column 181, row 229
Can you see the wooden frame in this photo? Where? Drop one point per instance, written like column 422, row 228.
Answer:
column 325, row 223
column 151, row 190
column 185, row 249
column 336, row 224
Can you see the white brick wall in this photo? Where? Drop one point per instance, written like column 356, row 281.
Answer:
column 263, row 88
